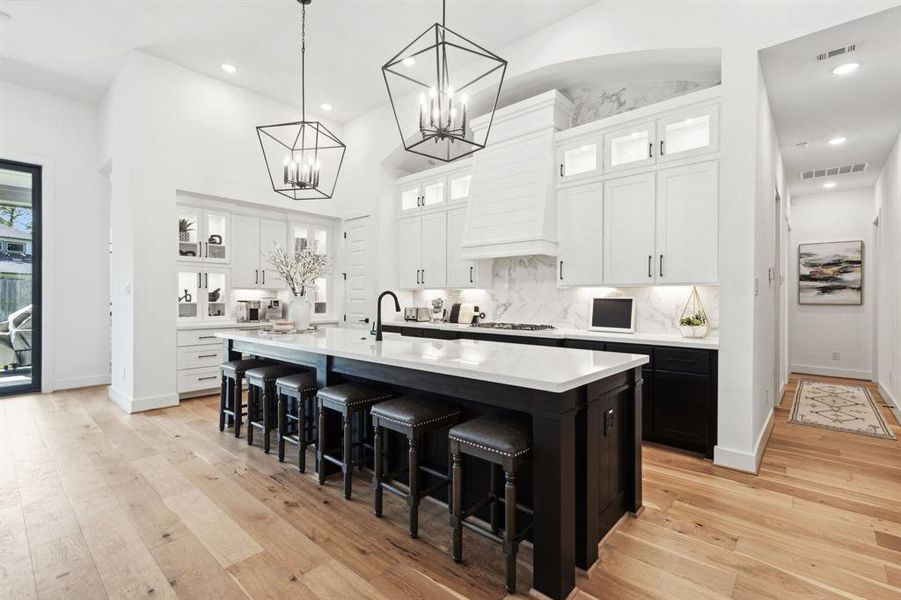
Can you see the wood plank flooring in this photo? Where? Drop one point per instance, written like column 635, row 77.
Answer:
column 95, row 503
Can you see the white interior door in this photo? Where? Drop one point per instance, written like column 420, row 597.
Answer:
column 359, row 302
column 579, row 228
column 687, row 199
column 409, row 252
column 245, row 251
column 434, row 251
column 272, row 232
column 629, row 224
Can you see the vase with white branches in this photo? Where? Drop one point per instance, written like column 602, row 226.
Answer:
column 299, row 272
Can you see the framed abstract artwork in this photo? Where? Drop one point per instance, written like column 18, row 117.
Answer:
column 830, row 273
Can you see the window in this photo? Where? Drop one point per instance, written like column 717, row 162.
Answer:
column 15, row 247
column 306, row 234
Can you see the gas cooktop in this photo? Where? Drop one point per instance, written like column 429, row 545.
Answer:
column 514, row 326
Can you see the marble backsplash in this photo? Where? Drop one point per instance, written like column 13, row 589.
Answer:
column 608, row 99
column 524, row 290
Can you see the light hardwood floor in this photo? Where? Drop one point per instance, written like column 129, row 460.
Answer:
column 95, row 503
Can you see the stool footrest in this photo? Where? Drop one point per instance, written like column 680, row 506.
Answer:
column 484, row 532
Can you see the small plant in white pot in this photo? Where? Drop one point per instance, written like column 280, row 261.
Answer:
column 299, row 272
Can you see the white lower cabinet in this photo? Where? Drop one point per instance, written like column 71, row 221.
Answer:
column 422, row 251
column 687, row 200
column 630, row 205
column 198, row 356
column 580, row 218
column 462, row 273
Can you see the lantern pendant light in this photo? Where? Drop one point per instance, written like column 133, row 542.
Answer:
column 431, row 84
column 303, row 158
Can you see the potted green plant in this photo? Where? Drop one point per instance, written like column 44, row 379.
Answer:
column 694, row 323
column 185, row 227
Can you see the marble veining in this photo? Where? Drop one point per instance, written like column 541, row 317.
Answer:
column 524, row 290
column 602, row 101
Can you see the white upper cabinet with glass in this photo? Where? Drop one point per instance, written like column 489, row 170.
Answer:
column 630, row 147
column 433, row 189
column 458, row 186
column 203, row 235
column 580, row 159
column 688, row 133
column 203, row 295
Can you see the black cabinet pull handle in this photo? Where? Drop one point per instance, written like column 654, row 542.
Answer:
column 650, row 149
column 264, row 276
column 207, row 355
column 561, row 270
column 206, row 280
column 423, row 277
column 205, row 378
column 470, row 274
column 199, row 281
column 256, row 276
column 650, row 259
column 661, row 265
column 561, row 170
column 206, row 337
column 661, row 148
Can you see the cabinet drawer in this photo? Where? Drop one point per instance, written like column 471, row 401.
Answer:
column 584, row 345
column 633, row 349
column 200, row 356
column 197, row 337
column 192, row 380
column 681, row 360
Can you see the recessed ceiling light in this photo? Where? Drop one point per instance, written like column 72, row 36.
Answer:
column 409, row 61
column 829, row 185
column 801, row 145
column 229, row 68
column 845, row 68
column 326, row 106
column 837, row 141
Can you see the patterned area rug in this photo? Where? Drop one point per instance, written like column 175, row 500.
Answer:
column 847, row 408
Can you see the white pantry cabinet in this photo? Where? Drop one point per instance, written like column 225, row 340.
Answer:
column 687, row 222
column 462, row 273
column 579, row 227
column 422, row 251
column 253, row 237
column 630, row 205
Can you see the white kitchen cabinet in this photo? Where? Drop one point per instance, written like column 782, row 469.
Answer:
column 202, row 294
column 458, row 186
column 410, row 197
column 580, row 158
column 630, row 205
column 208, row 234
column 580, row 219
column 689, row 133
column 422, row 251
column 254, row 237
column 463, row 273
column 687, row 221
column 630, row 147
column 425, row 193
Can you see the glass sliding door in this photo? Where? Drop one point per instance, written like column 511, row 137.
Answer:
column 20, row 277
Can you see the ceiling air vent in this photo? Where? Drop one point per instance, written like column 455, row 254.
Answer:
column 832, row 171
column 827, row 54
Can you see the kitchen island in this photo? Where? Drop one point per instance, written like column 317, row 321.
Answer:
column 585, row 410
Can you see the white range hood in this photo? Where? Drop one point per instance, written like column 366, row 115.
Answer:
column 512, row 209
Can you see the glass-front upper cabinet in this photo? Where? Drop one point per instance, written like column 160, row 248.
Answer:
column 304, row 236
column 203, row 295
column 190, row 285
column 579, row 159
column 688, row 133
column 432, row 193
column 424, row 193
column 410, row 198
column 630, row 147
column 203, row 235
column 458, row 186
column 215, row 284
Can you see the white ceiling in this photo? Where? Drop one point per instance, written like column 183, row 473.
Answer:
column 76, row 47
column 812, row 105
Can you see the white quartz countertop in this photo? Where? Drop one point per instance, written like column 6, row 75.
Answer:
column 654, row 339
column 543, row 368
column 239, row 324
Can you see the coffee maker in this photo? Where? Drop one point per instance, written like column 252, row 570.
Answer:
column 272, row 309
column 248, row 310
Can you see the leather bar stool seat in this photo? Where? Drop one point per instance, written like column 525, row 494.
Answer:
column 231, row 405
column 506, row 443
column 412, row 416
column 350, row 400
column 261, row 400
column 296, row 405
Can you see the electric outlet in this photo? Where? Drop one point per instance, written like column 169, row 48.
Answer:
column 835, row 355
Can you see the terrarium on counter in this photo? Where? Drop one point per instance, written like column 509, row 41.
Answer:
column 693, row 322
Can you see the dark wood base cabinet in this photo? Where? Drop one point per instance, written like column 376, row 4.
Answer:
column 679, row 391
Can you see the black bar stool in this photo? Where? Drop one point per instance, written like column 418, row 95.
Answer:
column 505, row 443
column 230, row 403
column 412, row 416
column 261, row 400
column 349, row 400
column 296, row 402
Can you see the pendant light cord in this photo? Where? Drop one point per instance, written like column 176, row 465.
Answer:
column 443, row 12
column 303, row 53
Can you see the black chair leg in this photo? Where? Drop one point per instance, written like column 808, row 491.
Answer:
column 301, row 435
column 267, row 417
column 377, row 477
column 347, row 460
column 494, row 508
column 251, row 409
column 282, row 424
column 457, row 494
column 320, row 443
column 237, row 402
column 222, row 402
column 413, row 497
column 510, row 544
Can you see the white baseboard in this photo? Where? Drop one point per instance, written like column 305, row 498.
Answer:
column 891, row 401
column 70, row 383
column 740, row 460
column 133, row 405
column 832, row 372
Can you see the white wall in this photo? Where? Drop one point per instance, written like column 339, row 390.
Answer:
column 63, row 136
column 888, row 317
column 165, row 129
column 819, row 330
column 740, row 29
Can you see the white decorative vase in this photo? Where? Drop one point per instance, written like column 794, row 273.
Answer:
column 300, row 311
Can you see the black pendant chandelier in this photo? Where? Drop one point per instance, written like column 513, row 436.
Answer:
column 303, row 158
column 430, row 83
